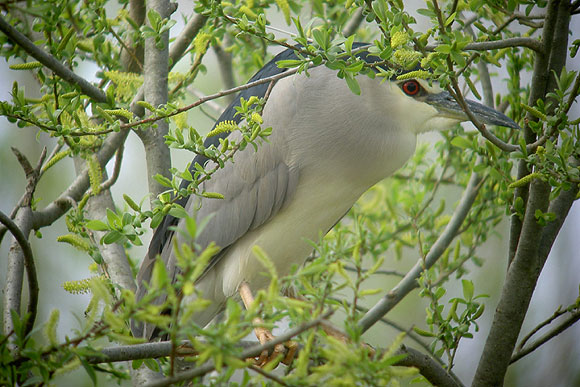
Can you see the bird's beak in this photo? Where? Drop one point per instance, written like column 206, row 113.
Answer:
column 449, row 108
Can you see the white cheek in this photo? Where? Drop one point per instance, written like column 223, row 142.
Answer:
column 440, row 123
column 418, row 117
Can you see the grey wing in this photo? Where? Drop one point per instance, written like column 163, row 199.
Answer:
column 250, row 200
column 255, row 187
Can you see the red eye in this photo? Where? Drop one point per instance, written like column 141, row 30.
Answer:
column 411, row 87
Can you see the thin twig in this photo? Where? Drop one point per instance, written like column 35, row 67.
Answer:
column 354, row 23
column 409, row 282
column 538, row 327
column 383, row 272
column 248, row 353
column 30, row 269
column 226, row 68
column 116, row 170
column 268, row 375
column 32, row 176
column 51, row 62
column 530, row 43
column 547, row 337
column 211, row 97
column 127, row 49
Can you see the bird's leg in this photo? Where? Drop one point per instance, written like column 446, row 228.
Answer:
column 263, row 334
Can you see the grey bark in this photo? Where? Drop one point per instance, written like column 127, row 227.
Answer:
column 117, row 264
column 155, row 89
column 15, row 272
column 534, row 241
column 158, row 159
column 137, row 13
column 409, row 282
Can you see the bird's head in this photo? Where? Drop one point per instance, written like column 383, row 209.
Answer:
column 426, row 107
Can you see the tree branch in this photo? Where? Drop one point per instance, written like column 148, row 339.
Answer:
column 32, row 178
column 530, row 43
column 516, row 294
column 226, row 69
column 133, row 60
column 13, row 288
column 155, row 89
column 150, row 351
column 559, row 312
column 535, row 241
column 246, row 354
column 116, row 170
column 354, row 23
column 176, row 51
column 538, row 90
column 409, row 282
column 79, row 186
column 429, row 368
column 571, row 320
column 51, row 62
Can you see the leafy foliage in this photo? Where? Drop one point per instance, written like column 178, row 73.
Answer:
column 401, row 217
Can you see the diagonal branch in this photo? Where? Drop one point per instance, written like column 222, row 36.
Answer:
column 79, row 186
column 51, row 62
column 567, row 323
column 530, row 43
column 246, row 354
column 409, row 282
column 428, row 366
column 534, row 241
column 28, row 259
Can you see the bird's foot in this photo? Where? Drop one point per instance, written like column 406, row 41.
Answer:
column 281, row 352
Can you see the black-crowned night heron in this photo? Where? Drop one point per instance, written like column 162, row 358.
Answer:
column 327, row 147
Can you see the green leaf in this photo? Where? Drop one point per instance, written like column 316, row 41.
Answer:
column 154, row 19
column 97, row 225
column 424, row 333
column 443, row 48
column 131, row 203
column 113, row 218
column 440, row 292
column 178, row 212
column 163, row 180
column 450, row 19
column 157, row 219
column 461, row 142
column 111, row 237
column 348, row 44
column 191, row 226
column 352, row 83
column 212, row 195
column 159, row 277
column 90, row 370
column 320, row 36
column 467, row 289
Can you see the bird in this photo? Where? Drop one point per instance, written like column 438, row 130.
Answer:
column 327, row 147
